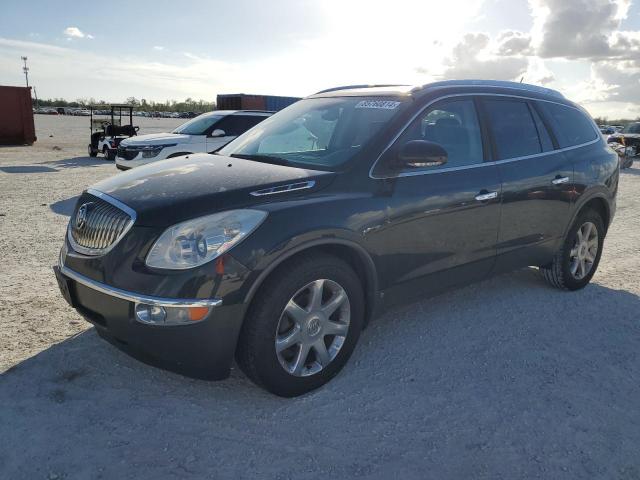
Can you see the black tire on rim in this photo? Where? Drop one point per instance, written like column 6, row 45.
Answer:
column 92, row 151
column 577, row 260
column 108, row 153
column 302, row 326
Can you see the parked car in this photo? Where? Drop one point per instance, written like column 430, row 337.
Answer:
column 204, row 134
column 629, row 138
column 281, row 247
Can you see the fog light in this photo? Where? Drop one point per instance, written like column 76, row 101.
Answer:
column 157, row 315
column 150, row 313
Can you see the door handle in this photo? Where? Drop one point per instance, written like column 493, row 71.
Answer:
column 560, row 180
column 481, row 197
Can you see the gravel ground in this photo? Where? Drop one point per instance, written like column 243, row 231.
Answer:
column 503, row 379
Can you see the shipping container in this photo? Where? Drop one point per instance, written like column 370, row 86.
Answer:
column 241, row 101
column 16, row 116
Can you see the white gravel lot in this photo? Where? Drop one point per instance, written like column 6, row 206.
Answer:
column 507, row 378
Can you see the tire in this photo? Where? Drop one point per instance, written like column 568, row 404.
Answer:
column 559, row 272
column 108, row 153
column 267, row 322
column 92, row 151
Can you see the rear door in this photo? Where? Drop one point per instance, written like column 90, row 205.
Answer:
column 537, row 182
column 442, row 222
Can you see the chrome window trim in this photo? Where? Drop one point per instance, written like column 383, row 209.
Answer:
column 481, row 164
column 137, row 297
column 95, row 252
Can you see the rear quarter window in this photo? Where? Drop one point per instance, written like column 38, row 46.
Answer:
column 571, row 126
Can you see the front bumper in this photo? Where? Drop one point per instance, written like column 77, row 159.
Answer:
column 203, row 349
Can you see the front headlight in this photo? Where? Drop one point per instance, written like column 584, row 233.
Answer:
column 195, row 242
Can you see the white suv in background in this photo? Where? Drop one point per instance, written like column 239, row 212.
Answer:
column 204, row 134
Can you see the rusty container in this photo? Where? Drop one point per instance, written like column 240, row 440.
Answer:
column 16, row 116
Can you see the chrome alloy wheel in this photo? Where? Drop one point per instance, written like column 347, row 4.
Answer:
column 584, row 251
column 313, row 327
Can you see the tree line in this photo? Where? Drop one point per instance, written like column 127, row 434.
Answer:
column 188, row 105
column 606, row 121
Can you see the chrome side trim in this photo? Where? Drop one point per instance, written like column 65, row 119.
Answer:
column 94, row 252
column 560, row 181
column 482, row 164
column 486, row 196
column 136, row 297
column 291, row 187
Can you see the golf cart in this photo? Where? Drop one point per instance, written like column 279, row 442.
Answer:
column 107, row 133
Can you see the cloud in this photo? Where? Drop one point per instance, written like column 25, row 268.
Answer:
column 75, row 32
column 158, row 48
column 471, row 58
column 512, row 42
column 577, row 29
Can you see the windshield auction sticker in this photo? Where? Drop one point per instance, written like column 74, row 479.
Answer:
column 384, row 104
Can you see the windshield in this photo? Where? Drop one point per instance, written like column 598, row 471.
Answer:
column 632, row 128
column 317, row 132
column 199, row 125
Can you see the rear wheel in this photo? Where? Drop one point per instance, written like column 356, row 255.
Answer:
column 92, row 151
column 302, row 326
column 108, row 153
column 577, row 260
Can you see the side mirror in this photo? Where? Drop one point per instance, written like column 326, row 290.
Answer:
column 218, row 133
column 421, row 154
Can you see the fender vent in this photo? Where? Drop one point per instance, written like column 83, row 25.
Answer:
column 291, row 187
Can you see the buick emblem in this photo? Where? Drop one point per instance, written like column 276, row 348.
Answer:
column 81, row 215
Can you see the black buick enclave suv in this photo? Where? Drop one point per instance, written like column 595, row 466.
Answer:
column 280, row 248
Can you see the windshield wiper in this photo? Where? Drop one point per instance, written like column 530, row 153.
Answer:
column 261, row 158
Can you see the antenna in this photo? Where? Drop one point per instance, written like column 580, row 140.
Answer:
column 521, row 78
column 25, row 69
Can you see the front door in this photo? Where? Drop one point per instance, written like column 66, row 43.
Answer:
column 442, row 222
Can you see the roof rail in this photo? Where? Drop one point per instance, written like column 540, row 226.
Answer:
column 352, row 87
column 493, row 83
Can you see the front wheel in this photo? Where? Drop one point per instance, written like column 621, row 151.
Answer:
column 92, row 151
column 302, row 326
column 577, row 260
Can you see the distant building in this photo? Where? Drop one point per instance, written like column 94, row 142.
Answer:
column 241, row 101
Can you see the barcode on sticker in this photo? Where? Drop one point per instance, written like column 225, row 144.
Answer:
column 385, row 104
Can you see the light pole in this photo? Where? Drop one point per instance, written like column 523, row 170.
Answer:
column 25, row 69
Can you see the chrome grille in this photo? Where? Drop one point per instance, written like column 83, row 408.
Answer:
column 98, row 223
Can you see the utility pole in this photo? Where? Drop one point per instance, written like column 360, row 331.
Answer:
column 25, row 69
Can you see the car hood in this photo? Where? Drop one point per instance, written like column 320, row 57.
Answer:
column 170, row 191
column 160, row 139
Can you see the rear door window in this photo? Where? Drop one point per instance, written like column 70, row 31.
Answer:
column 513, row 127
column 571, row 126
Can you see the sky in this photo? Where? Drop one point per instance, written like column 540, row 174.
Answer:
column 160, row 50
